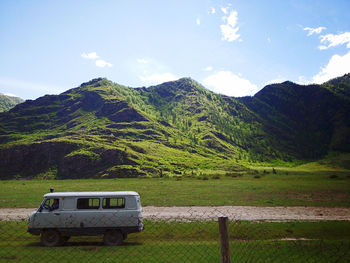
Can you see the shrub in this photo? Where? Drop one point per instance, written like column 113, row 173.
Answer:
column 216, row 176
column 233, row 174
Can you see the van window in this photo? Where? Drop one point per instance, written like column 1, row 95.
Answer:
column 113, row 203
column 49, row 202
column 51, row 205
column 88, row 203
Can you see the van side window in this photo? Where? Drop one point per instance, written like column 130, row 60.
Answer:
column 113, row 203
column 88, row 203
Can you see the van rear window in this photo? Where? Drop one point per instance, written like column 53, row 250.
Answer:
column 88, row 203
column 113, row 203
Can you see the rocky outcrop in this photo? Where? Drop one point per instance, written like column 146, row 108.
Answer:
column 120, row 111
column 26, row 161
column 80, row 165
column 29, row 160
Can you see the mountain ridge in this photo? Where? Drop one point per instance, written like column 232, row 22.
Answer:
column 103, row 129
column 8, row 102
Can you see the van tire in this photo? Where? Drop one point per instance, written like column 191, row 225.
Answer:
column 113, row 238
column 64, row 239
column 51, row 238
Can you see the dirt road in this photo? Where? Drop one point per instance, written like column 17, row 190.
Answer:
column 250, row 213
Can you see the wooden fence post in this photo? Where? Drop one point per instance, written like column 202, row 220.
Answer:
column 224, row 240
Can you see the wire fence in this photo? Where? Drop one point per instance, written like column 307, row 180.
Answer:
column 188, row 236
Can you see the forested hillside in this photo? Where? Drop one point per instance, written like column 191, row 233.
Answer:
column 8, row 102
column 103, row 129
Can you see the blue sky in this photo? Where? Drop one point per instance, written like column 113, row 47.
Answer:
column 231, row 47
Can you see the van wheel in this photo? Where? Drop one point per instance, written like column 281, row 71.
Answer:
column 113, row 238
column 64, row 239
column 51, row 238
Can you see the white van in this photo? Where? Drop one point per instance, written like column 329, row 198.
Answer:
column 66, row 214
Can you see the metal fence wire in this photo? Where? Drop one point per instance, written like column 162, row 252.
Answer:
column 187, row 236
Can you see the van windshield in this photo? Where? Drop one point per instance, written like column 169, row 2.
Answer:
column 49, row 204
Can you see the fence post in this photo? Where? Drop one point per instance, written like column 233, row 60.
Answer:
column 224, row 240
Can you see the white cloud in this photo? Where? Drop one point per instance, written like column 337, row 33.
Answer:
column 336, row 67
column 224, row 10
column 209, row 68
column 152, row 72
column 101, row 63
column 92, row 55
column 230, row 29
column 312, row 31
column 302, row 80
column 142, row 61
column 212, row 10
column 227, row 83
column 331, row 40
column 322, row 47
column 268, row 40
column 198, row 21
column 157, row 78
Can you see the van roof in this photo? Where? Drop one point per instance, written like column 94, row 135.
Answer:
column 88, row 194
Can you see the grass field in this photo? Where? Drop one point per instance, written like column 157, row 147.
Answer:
column 190, row 242
column 197, row 241
column 286, row 188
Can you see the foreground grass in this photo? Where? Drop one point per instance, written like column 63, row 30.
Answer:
column 190, row 242
column 286, row 188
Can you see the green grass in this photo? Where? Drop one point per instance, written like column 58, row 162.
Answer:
column 190, row 242
column 285, row 188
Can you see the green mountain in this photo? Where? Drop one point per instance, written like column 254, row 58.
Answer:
column 8, row 102
column 305, row 122
column 103, row 129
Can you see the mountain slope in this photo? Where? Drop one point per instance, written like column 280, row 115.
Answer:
column 308, row 121
column 8, row 102
column 339, row 86
column 103, row 129
column 99, row 129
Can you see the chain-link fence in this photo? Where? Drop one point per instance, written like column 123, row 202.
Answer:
column 188, row 236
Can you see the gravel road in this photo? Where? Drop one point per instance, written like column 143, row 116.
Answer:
column 251, row 213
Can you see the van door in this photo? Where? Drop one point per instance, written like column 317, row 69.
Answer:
column 114, row 212
column 88, row 213
column 49, row 214
column 68, row 213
